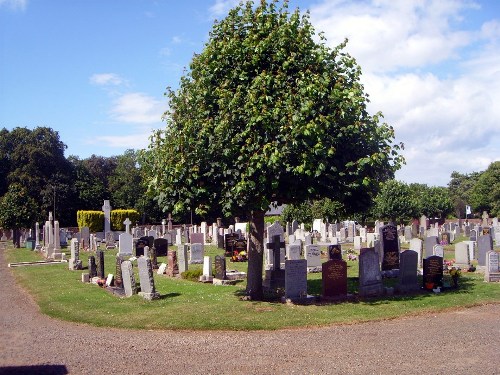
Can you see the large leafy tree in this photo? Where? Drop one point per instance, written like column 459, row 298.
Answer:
column 485, row 195
column 432, row 201
column 35, row 159
column 17, row 210
column 266, row 113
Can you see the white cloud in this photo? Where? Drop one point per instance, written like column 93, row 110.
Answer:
column 106, row 79
column 138, row 108
column 385, row 35
column 435, row 82
column 136, row 141
column 221, row 7
column 15, row 4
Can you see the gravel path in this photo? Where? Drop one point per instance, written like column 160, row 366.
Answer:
column 459, row 342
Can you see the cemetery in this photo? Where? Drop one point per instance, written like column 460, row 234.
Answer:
column 328, row 273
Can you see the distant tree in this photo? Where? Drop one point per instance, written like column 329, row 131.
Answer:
column 459, row 189
column 35, row 159
column 125, row 182
column 432, row 201
column 301, row 212
column 485, row 195
column 396, row 202
column 268, row 113
column 17, row 210
column 328, row 209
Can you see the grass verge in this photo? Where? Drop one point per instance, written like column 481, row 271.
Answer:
column 187, row 305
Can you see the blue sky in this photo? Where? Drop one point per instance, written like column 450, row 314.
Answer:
column 96, row 70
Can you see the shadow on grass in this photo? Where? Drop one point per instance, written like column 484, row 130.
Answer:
column 169, row 295
column 314, row 287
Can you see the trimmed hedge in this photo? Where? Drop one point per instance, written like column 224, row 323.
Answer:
column 95, row 219
column 119, row 216
column 92, row 219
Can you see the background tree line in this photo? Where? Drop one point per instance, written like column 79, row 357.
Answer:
column 33, row 169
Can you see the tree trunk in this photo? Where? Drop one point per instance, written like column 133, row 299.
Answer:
column 16, row 238
column 255, row 256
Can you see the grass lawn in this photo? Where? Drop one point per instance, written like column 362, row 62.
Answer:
column 188, row 305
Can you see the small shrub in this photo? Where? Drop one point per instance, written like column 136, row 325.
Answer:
column 192, row 275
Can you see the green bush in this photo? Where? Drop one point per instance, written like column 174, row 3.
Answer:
column 192, row 275
column 119, row 216
column 92, row 219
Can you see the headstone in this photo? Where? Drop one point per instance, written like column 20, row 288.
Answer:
column 118, row 272
column 107, row 216
column 275, row 277
column 462, row 254
column 334, row 278
column 207, row 270
column 357, row 243
column 100, row 263
column 92, row 267
column 390, row 247
column 408, row 234
column 161, row 246
column 146, row 279
column 85, row 237
column 473, row 235
column 126, row 240
column 416, row 245
column 75, row 263
column 182, row 258
column 308, row 239
column 229, row 240
column 110, row 240
column 438, row 251
column 429, row 244
column 220, row 268
column 296, row 279
column 313, row 257
column 295, row 226
column 334, row 252
column 129, row 283
column 484, row 244
column 275, row 230
column 492, row 273
column 173, row 268
column 140, row 244
column 196, row 254
column 408, row 264
column 370, row 277
column 445, row 238
column 293, row 251
column 197, row 238
column 433, row 272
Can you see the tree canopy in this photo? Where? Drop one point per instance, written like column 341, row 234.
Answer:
column 265, row 114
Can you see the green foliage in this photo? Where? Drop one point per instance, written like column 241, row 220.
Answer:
column 267, row 113
column 119, row 216
column 193, row 275
column 301, row 212
column 485, row 195
column 328, row 209
column 92, row 219
column 459, row 189
column 272, row 219
column 396, row 202
column 17, row 208
column 35, row 159
column 432, row 201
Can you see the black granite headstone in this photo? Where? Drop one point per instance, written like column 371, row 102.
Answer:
column 433, row 272
column 390, row 247
column 334, row 252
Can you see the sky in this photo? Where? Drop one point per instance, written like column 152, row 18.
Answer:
column 96, row 71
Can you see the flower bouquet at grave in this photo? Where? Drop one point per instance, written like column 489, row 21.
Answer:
column 455, row 274
column 239, row 256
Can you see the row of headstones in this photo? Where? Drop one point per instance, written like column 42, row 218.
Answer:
column 334, row 275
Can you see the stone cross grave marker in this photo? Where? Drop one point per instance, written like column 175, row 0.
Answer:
column 275, row 249
column 126, row 240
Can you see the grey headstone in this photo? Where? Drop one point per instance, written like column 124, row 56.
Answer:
column 408, row 264
column 370, row 277
column 129, row 283
column 146, row 275
column 295, row 278
column 484, row 244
